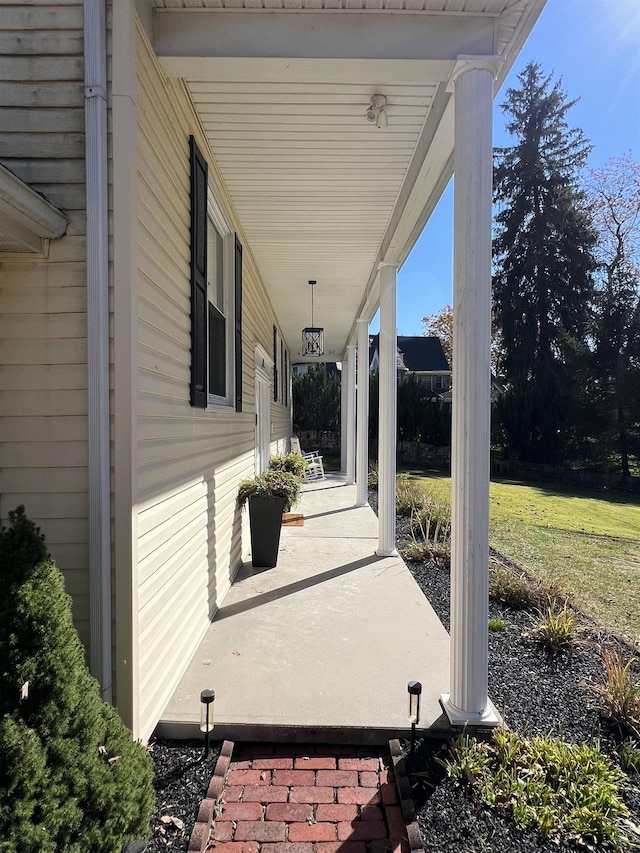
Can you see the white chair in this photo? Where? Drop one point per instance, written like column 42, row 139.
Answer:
column 315, row 468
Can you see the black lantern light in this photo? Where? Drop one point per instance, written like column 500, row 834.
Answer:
column 312, row 336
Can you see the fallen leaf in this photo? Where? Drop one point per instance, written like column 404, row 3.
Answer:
column 24, row 691
column 114, row 759
column 102, row 750
column 167, row 818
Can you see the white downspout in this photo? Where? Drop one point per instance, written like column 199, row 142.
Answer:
column 95, row 101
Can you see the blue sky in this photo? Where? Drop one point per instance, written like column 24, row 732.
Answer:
column 594, row 45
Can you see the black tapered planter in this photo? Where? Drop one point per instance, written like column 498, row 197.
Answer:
column 265, row 519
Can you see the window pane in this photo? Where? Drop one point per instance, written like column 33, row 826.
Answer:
column 217, row 352
column 214, row 268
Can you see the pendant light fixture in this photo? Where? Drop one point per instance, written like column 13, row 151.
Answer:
column 312, row 336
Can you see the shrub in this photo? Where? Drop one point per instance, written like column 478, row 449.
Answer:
column 497, row 624
column 71, row 776
column 520, row 592
column 409, row 495
column 510, row 588
column 619, row 694
column 433, row 520
column 293, row 463
column 373, row 477
column 556, row 629
column 556, row 787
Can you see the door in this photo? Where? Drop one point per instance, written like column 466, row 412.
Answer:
column 263, row 373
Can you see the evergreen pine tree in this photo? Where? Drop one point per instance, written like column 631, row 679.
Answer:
column 71, row 777
column 543, row 264
column 316, row 399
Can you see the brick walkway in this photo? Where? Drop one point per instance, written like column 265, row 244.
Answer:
column 301, row 799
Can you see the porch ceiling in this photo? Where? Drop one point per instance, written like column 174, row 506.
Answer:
column 281, row 88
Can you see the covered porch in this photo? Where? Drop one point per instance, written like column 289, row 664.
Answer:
column 335, row 128
column 321, row 647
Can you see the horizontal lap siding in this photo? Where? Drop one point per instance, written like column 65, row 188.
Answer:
column 43, row 375
column 189, row 460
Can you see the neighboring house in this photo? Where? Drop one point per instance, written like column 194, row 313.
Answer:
column 174, row 175
column 419, row 356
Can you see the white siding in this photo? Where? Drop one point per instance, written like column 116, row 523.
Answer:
column 43, row 383
column 189, row 460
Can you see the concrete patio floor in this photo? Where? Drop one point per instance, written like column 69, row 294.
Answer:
column 321, row 647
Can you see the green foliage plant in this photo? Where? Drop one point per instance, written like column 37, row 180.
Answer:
column 71, row 777
column 560, row 789
column 555, row 629
column 271, row 484
column 497, row 624
column 619, row 692
column 629, row 753
column 294, row 463
column 373, row 476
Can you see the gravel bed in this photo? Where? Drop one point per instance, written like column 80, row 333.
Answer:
column 535, row 693
column 181, row 778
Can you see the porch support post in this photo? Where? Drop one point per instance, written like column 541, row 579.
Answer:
column 388, row 379
column 468, row 701
column 343, row 416
column 362, row 420
column 351, row 415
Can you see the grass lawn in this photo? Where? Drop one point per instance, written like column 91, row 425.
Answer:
column 590, row 540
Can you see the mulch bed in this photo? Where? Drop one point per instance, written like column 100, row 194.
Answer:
column 535, row 693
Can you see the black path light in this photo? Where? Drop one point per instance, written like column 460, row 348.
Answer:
column 312, row 336
column 136, row 846
column 414, row 688
column 207, row 698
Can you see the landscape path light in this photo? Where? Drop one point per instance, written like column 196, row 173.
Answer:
column 207, row 698
column 414, row 688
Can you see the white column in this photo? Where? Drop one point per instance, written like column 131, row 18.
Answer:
column 362, row 419
column 468, row 700
column 351, row 415
column 343, row 416
column 388, row 379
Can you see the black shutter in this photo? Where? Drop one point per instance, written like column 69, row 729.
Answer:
column 199, row 175
column 238, row 311
column 275, row 364
column 286, row 378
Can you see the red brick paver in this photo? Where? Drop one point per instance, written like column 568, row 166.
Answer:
column 301, row 799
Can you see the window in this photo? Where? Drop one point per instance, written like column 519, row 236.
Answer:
column 216, row 297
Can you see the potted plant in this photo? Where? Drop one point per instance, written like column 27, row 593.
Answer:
column 269, row 495
column 291, row 462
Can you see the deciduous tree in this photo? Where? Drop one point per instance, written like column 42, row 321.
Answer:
column 614, row 191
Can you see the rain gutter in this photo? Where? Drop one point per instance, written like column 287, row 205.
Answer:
column 97, row 208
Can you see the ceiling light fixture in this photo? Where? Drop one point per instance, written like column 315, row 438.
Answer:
column 312, row 336
column 376, row 113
